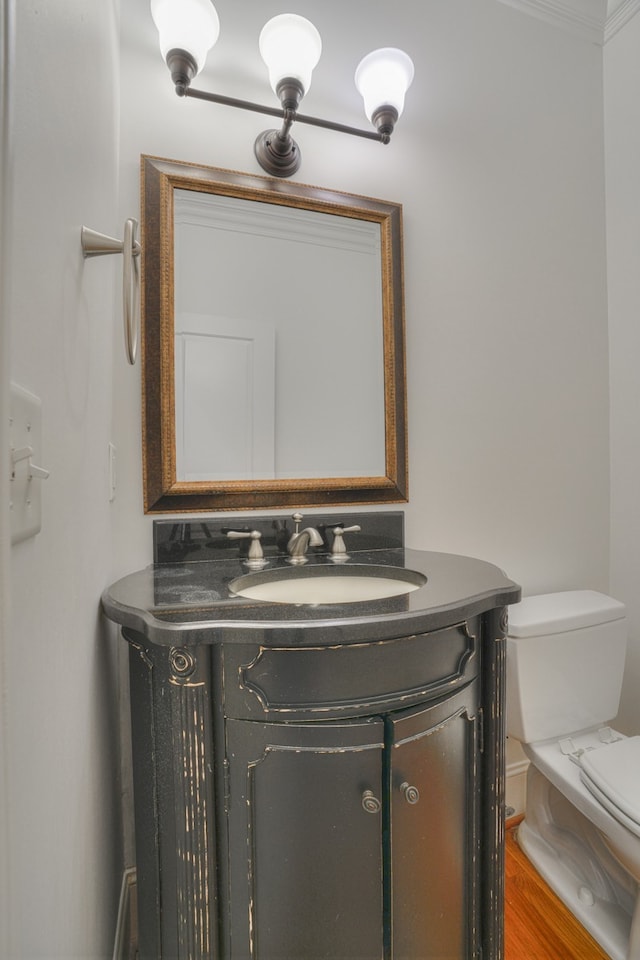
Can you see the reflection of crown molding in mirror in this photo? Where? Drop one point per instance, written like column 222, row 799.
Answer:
column 164, row 491
column 296, row 226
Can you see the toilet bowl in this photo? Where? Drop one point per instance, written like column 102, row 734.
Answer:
column 565, row 662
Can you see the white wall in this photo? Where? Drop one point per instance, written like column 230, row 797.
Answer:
column 498, row 163
column 506, row 297
column 64, row 849
column 622, row 80
column 6, row 87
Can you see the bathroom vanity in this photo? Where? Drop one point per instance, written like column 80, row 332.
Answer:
column 316, row 781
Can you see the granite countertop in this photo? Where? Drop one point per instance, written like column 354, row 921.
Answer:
column 189, row 602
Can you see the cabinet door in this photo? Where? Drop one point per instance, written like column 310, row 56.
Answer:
column 305, row 835
column 433, row 830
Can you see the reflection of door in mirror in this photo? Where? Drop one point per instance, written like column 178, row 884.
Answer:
column 225, row 397
column 279, row 354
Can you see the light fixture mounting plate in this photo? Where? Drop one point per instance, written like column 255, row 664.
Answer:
column 278, row 156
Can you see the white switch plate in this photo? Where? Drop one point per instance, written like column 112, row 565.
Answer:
column 25, row 430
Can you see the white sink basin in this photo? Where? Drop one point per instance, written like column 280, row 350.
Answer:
column 327, row 584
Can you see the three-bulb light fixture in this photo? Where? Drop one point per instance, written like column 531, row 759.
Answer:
column 290, row 46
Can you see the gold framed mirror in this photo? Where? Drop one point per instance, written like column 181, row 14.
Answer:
column 273, row 354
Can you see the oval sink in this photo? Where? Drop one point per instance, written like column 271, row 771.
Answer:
column 324, row 584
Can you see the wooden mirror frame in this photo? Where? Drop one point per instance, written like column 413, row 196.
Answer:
column 163, row 492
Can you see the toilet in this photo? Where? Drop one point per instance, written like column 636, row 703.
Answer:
column 565, row 661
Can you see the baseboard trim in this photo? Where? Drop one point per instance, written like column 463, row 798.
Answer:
column 125, row 944
column 516, row 788
column 517, row 768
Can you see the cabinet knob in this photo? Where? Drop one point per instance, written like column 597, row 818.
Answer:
column 370, row 803
column 411, row 794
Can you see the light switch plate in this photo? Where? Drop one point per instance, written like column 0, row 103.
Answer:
column 25, row 431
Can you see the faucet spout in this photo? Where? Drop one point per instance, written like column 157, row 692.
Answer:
column 299, row 543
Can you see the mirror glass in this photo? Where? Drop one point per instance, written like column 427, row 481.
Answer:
column 273, row 343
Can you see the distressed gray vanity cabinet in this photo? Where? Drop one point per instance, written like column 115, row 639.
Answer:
column 315, row 803
column 316, row 781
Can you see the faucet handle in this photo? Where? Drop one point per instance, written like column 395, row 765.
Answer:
column 255, row 558
column 338, row 550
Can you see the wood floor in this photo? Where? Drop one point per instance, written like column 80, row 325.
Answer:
column 538, row 926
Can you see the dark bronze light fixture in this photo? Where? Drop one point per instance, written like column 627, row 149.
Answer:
column 290, row 46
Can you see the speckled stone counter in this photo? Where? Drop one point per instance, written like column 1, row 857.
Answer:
column 185, row 596
column 191, row 601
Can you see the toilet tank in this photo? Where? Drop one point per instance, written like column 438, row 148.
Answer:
column 565, row 661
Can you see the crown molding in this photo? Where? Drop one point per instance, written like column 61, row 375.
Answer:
column 619, row 13
column 584, row 18
column 593, row 20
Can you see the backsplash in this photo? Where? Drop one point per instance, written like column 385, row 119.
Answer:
column 175, row 541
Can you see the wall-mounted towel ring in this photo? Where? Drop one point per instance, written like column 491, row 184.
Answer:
column 96, row 244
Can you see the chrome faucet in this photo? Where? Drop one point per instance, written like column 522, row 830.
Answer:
column 300, row 540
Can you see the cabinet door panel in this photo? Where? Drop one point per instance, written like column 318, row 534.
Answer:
column 432, row 783
column 310, row 885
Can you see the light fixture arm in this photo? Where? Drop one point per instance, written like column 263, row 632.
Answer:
column 276, row 150
column 278, row 112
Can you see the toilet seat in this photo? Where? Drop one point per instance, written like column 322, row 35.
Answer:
column 612, row 775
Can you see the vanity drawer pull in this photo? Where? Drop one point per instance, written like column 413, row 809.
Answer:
column 370, row 803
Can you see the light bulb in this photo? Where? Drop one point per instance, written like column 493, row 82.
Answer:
column 290, row 46
column 383, row 78
column 190, row 25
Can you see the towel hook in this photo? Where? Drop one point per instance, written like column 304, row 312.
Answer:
column 96, row 244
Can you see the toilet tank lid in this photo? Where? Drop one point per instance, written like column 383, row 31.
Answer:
column 557, row 612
